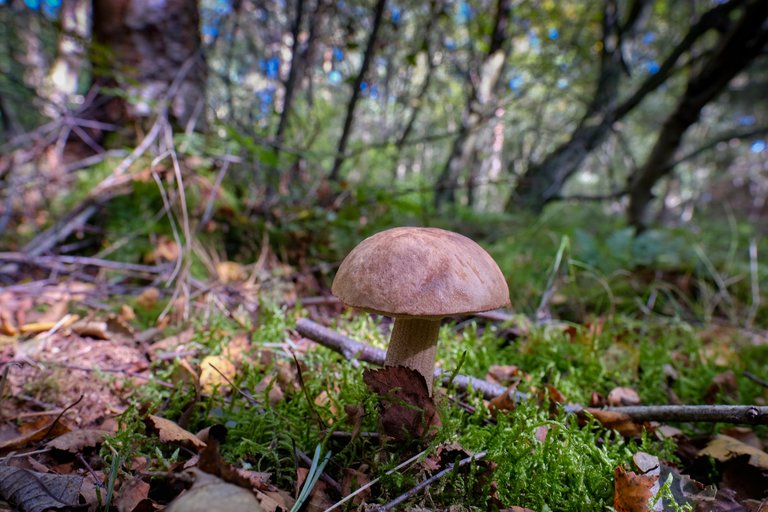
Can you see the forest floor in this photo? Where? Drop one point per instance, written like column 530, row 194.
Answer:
column 121, row 400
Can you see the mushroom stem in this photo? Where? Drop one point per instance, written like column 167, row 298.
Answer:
column 414, row 344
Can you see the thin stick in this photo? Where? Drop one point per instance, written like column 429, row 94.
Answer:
column 373, row 482
column 746, row 414
column 429, row 481
column 754, row 378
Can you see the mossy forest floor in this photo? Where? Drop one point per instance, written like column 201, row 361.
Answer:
column 118, row 395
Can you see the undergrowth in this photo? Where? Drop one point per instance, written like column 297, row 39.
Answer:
column 542, row 460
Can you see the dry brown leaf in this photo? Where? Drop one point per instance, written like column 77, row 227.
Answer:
column 36, row 492
column 724, row 448
column 745, row 435
column 211, row 493
column 353, row 480
column 503, row 375
column 617, row 421
column 236, row 348
column 406, row 411
column 77, row 440
column 275, row 501
column 148, row 298
column 503, row 402
column 215, row 371
column 171, row 343
column 130, row 494
column 32, row 432
column 92, row 491
column 127, row 314
column 318, row 497
column 169, row 431
column 623, row 396
column 632, row 492
column 92, row 329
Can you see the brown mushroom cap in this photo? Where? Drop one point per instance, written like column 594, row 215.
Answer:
column 420, row 272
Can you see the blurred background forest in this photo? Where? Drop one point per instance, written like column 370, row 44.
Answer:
column 629, row 136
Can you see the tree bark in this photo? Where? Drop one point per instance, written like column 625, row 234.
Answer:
column 293, row 73
column 477, row 102
column 378, row 15
column 155, row 51
column 66, row 72
column 736, row 50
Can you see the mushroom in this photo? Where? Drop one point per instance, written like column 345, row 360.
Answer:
column 418, row 276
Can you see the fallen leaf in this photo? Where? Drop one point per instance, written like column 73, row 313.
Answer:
column 617, row 421
column 91, row 329
column 31, row 491
column 623, row 396
column 632, row 491
column 210, row 493
column 171, row 343
column 406, row 411
column 504, row 401
column 77, row 440
column 148, row 298
column 169, row 431
column 32, row 432
column 745, row 435
column 130, row 494
column 127, row 314
column 353, row 480
column 503, row 375
column 318, row 497
column 723, row 448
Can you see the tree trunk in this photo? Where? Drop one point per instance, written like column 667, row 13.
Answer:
column 67, row 69
column 475, row 108
column 293, row 74
column 736, row 50
column 152, row 51
column 378, row 14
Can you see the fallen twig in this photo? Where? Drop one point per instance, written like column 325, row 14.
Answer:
column 429, row 481
column 754, row 378
column 351, row 349
column 61, row 262
column 747, row 414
